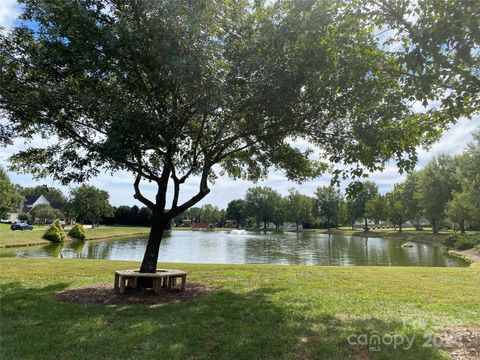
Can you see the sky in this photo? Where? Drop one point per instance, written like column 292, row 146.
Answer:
column 120, row 184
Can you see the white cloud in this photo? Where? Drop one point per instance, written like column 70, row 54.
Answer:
column 453, row 141
column 9, row 10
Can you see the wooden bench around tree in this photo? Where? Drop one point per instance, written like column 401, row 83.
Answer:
column 163, row 278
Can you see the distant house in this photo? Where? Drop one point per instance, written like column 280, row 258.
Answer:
column 30, row 202
column 34, row 200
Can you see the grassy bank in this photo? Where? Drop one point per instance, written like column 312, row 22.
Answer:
column 10, row 238
column 407, row 234
column 259, row 311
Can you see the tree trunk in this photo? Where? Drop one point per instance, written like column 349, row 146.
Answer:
column 462, row 227
column 265, row 225
column 328, row 224
column 366, row 224
column 400, row 226
column 149, row 263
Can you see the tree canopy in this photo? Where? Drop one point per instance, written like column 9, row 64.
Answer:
column 396, row 205
column 262, row 203
column 437, row 45
column 299, row 207
column 436, row 181
column 236, row 211
column 45, row 214
column 9, row 197
column 358, row 202
column 328, row 204
column 90, row 204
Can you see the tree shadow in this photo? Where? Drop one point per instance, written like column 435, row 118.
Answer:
column 224, row 324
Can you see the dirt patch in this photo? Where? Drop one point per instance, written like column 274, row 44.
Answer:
column 362, row 353
column 104, row 294
column 462, row 342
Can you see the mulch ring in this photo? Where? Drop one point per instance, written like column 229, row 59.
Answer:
column 462, row 342
column 104, row 294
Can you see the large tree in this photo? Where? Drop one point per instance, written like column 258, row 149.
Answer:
column 375, row 209
column 397, row 204
column 464, row 207
column 236, row 211
column 436, row 183
column 413, row 207
column 9, row 197
column 328, row 204
column 359, row 199
column 469, row 177
column 91, row 204
column 459, row 210
column 299, row 208
column 170, row 90
column 45, row 214
column 210, row 214
column 262, row 204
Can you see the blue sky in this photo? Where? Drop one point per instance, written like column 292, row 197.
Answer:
column 120, row 184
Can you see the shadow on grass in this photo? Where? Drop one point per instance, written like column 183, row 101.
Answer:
column 222, row 325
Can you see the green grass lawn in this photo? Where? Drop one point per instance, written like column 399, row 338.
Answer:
column 259, row 311
column 34, row 237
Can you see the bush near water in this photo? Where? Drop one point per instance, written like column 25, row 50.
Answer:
column 462, row 242
column 77, row 232
column 55, row 233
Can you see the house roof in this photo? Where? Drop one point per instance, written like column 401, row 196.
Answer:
column 30, row 199
column 28, row 203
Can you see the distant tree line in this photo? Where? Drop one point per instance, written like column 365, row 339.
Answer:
column 444, row 193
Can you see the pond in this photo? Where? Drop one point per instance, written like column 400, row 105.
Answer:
column 240, row 247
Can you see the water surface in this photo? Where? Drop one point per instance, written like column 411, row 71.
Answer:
column 249, row 247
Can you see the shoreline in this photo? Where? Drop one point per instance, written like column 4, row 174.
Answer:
column 93, row 237
column 470, row 255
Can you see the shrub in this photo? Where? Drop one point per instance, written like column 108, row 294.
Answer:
column 450, row 241
column 77, row 232
column 55, row 233
column 23, row 217
column 466, row 243
column 462, row 242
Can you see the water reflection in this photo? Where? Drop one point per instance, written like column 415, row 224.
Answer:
column 243, row 248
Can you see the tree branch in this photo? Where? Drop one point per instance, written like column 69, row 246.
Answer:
column 138, row 195
column 176, row 191
column 202, row 192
